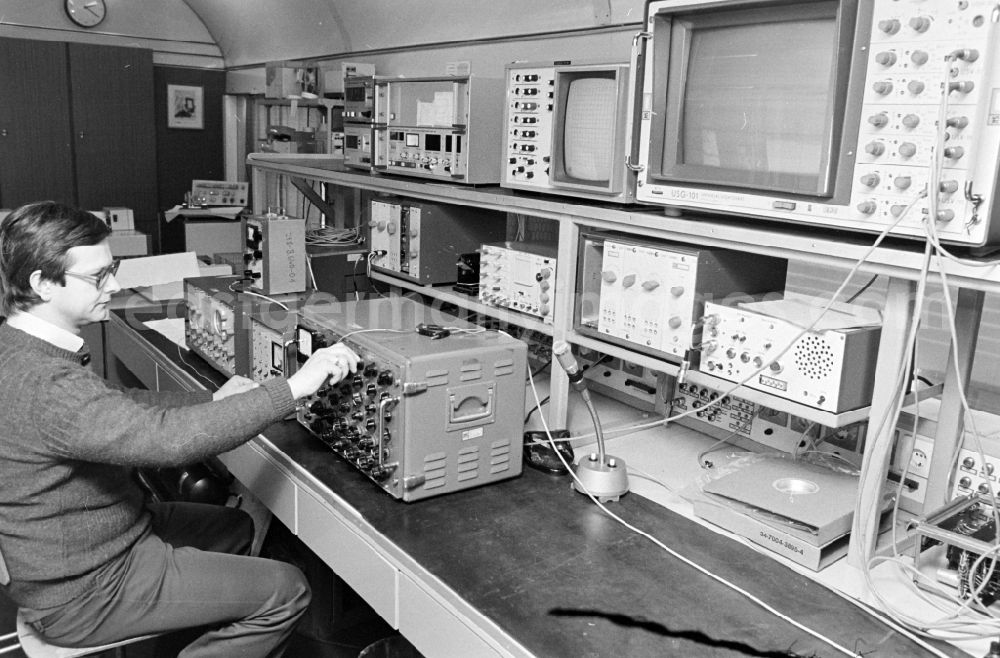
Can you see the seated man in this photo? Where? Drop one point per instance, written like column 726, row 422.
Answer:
column 83, row 555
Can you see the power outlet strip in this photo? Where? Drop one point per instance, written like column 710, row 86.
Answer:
column 971, row 474
column 620, row 380
column 736, row 418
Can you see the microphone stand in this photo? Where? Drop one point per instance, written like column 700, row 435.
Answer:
column 598, row 474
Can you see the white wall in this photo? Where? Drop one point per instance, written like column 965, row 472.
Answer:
column 252, row 33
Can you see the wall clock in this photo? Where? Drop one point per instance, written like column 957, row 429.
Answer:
column 86, row 13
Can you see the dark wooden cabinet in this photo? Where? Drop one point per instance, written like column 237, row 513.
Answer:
column 77, row 125
column 111, row 92
column 36, row 150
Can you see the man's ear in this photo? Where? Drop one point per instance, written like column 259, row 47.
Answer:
column 41, row 285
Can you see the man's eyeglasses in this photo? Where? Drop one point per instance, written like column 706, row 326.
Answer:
column 100, row 279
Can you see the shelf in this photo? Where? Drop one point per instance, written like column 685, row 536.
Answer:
column 825, row 418
column 467, row 302
column 303, row 102
column 624, row 353
column 897, row 258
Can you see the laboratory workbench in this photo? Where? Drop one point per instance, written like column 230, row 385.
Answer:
column 525, row 567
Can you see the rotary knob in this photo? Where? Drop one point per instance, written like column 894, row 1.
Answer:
column 886, row 58
column 867, row 207
column 954, row 152
column 889, row 25
column 882, row 87
column 875, row 148
column 879, row 120
column 870, row 180
column 920, row 23
column 902, row 182
column 907, row 149
column 911, row 120
column 919, row 57
column 608, row 276
column 915, row 86
column 948, row 186
column 628, row 281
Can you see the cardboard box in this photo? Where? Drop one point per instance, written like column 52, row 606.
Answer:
column 279, row 81
column 128, row 243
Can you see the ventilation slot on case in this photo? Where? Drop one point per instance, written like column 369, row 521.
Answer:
column 435, row 470
column 468, row 463
column 499, row 456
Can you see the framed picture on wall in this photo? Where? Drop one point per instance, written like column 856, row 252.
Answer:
column 185, row 107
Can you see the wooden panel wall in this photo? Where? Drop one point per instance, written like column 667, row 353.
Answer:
column 182, row 154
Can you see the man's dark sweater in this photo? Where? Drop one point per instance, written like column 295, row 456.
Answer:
column 68, row 443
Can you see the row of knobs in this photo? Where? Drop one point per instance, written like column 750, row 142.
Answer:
column 885, row 87
column 888, row 58
column 629, row 280
column 389, row 227
column 870, row 208
column 919, row 24
column 909, row 149
column 911, row 121
column 903, row 183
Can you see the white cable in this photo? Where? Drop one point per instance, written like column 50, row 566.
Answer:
column 955, row 623
column 833, row 298
column 255, row 294
column 368, row 331
column 739, row 590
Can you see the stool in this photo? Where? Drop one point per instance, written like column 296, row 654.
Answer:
column 34, row 646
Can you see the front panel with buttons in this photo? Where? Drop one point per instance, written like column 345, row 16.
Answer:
column 649, row 294
column 520, row 276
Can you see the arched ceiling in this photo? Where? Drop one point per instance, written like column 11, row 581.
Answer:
column 250, row 33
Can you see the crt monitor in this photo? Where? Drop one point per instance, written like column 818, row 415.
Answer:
column 753, row 95
column 589, row 132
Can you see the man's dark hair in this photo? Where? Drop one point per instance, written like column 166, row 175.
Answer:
column 37, row 236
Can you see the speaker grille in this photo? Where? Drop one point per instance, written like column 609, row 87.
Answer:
column 814, row 357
